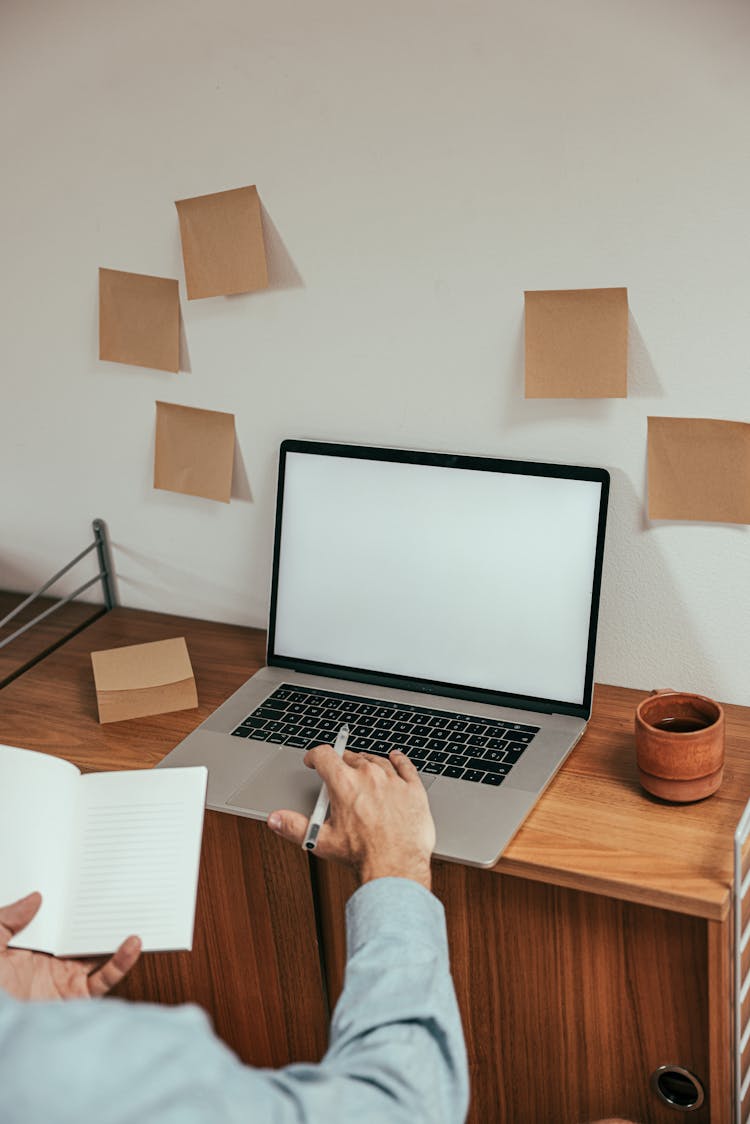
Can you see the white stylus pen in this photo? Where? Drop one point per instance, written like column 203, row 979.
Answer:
column 320, row 811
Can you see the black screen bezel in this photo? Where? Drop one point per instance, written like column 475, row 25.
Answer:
column 445, row 460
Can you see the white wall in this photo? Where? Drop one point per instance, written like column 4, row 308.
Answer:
column 420, row 163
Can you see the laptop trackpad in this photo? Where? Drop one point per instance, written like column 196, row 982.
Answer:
column 284, row 782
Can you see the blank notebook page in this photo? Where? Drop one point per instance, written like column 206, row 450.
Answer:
column 135, row 861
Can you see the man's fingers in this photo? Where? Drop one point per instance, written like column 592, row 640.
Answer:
column 290, row 825
column 403, row 766
column 17, row 916
column 328, row 764
column 113, row 970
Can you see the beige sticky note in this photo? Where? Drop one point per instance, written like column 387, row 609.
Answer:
column 576, row 343
column 222, row 243
column 699, row 468
column 143, row 679
column 139, row 319
column 194, row 451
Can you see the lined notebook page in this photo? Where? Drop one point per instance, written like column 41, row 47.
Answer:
column 136, row 859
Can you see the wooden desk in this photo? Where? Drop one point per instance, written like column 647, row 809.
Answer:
column 596, row 950
column 254, row 965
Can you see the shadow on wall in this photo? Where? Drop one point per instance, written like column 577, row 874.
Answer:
column 652, row 624
column 282, row 272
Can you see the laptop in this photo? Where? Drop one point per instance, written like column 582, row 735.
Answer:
column 444, row 605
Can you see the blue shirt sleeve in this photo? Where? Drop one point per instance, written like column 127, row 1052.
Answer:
column 396, row 1049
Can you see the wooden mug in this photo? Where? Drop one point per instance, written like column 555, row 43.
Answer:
column 679, row 742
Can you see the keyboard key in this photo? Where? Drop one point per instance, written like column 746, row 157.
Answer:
column 242, row 732
column 254, row 723
column 276, row 739
column 437, row 756
column 457, row 725
column 488, row 766
column 457, row 759
column 398, row 738
column 366, row 720
column 416, row 754
column 359, row 743
column 515, row 747
column 380, row 747
column 295, row 708
column 383, row 712
column 274, row 703
column 402, row 727
column 493, row 778
column 436, row 743
column 314, row 711
column 367, row 708
column 422, row 730
column 477, row 742
column 265, row 712
column 473, row 775
column 289, row 728
column 432, row 767
column 453, row 771
column 457, row 737
column 496, row 743
column 417, row 742
column 520, row 736
column 298, row 697
column 475, row 726
column 438, row 723
column 301, row 743
column 512, row 755
column 494, row 755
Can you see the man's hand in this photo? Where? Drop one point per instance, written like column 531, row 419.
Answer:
column 35, row 975
column 380, row 821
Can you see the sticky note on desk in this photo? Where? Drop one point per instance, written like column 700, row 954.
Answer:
column 142, row 679
column 194, row 452
column 576, row 343
column 223, row 250
column 139, row 319
column 699, row 468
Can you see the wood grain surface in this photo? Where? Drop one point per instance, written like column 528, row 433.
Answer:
column 569, row 1000
column 254, row 966
column 44, row 637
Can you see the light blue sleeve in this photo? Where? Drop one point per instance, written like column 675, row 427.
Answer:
column 396, row 1051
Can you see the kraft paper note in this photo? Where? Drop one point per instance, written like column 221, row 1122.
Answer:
column 194, row 451
column 139, row 319
column 222, row 243
column 143, row 679
column 699, row 468
column 576, row 343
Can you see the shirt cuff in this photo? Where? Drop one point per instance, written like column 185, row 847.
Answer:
column 395, row 907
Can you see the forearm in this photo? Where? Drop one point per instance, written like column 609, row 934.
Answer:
column 396, row 1026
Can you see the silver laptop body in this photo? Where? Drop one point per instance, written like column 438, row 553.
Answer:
column 449, row 602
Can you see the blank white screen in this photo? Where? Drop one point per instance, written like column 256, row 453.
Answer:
column 473, row 578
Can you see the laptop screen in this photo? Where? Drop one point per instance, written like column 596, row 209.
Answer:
column 467, row 576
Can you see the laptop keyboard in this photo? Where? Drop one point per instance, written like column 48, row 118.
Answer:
column 460, row 746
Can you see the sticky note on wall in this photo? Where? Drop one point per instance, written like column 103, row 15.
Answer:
column 222, row 243
column 139, row 319
column 194, row 451
column 699, row 468
column 576, row 343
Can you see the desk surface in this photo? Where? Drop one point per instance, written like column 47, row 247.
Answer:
column 594, row 829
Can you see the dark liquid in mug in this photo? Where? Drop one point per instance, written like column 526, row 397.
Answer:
column 681, row 725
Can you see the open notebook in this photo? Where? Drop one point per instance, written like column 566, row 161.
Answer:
column 111, row 853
